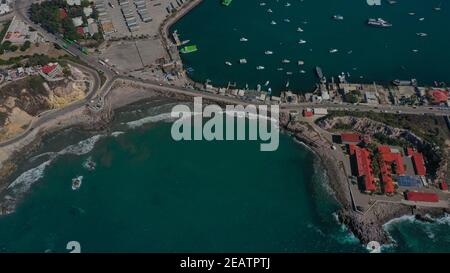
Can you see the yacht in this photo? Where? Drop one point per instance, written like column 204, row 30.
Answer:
column 302, row 42
column 333, row 50
column 243, row 61
column 243, row 39
column 268, row 52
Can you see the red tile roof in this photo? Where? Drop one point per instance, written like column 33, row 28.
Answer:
column 439, row 95
column 364, row 166
column 46, row 69
column 422, row 197
column 419, row 164
column 351, row 137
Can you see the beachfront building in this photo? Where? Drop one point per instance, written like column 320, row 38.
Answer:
column 418, row 162
column 362, row 163
column 390, row 162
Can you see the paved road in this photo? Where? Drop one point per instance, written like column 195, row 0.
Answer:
column 22, row 6
column 52, row 114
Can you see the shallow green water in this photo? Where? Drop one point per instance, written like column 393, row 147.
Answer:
column 150, row 193
column 375, row 54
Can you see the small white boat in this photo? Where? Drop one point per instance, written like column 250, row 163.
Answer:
column 289, row 73
column 300, row 62
column 338, row 17
column 415, row 50
column 262, row 4
column 269, row 11
column 412, row 13
column 228, row 63
column 299, row 29
column 421, row 34
column 302, row 71
column 273, row 23
column 268, row 52
column 76, row 182
column 280, row 69
column 260, row 67
column 421, row 19
column 285, row 61
column 243, row 39
column 267, row 83
column 287, row 20
column 287, row 4
column 302, row 42
column 243, row 61
column 333, row 50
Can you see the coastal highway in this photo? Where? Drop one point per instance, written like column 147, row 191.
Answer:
column 52, row 114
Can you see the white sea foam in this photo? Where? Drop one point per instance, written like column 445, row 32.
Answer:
column 23, row 183
column 117, row 133
column 82, row 147
column 26, row 179
column 150, row 119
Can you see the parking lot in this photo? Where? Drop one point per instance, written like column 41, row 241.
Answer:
column 135, row 17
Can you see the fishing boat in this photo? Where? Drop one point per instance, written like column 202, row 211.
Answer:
column 243, row 61
column 421, row 34
column 76, row 182
column 243, row 39
column 228, row 63
column 302, row 71
column 268, row 52
column 412, row 13
column 379, row 22
column 299, row 29
column 338, row 17
column 333, row 50
column 269, row 11
column 273, row 23
column 189, row 49
column 302, row 42
column 319, row 72
column 260, row 67
column 300, row 62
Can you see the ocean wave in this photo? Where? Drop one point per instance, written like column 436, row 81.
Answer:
column 117, row 133
column 26, row 179
column 81, row 148
column 150, row 119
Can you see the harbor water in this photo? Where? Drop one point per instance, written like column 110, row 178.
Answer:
column 366, row 53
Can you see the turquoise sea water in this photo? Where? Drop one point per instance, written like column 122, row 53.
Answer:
column 375, row 54
column 149, row 193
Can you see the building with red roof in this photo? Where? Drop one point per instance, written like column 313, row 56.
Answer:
column 308, row 113
column 422, row 197
column 350, row 138
column 438, row 95
column 418, row 162
column 51, row 71
column 389, row 163
column 363, row 166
